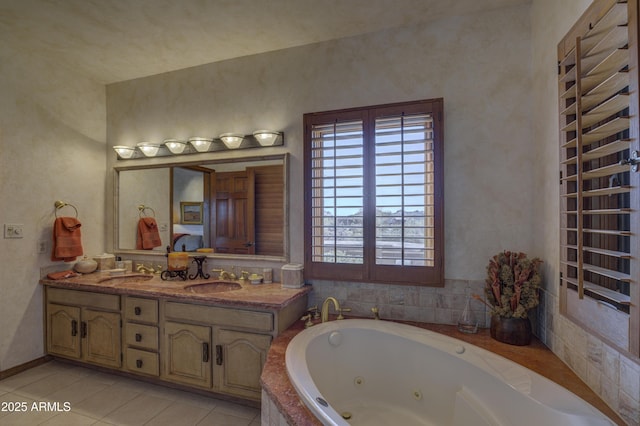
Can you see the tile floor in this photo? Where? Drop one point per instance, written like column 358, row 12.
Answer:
column 81, row 396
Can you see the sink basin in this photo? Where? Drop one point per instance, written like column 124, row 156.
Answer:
column 126, row 279
column 213, row 287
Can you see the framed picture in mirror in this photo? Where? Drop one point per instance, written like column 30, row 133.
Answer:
column 191, row 212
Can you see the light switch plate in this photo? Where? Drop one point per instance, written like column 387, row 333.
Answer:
column 13, row 230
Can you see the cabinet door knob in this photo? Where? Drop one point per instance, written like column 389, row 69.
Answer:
column 74, row 327
column 138, row 337
column 137, row 310
column 83, row 329
column 138, row 363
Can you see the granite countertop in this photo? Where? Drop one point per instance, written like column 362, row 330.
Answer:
column 535, row 356
column 263, row 296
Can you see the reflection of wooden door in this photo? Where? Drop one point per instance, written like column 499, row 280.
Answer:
column 234, row 207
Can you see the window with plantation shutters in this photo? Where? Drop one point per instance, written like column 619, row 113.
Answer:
column 598, row 105
column 404, row 190
column 373, row 194
column 337, row 193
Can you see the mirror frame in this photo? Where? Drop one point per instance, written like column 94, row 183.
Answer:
column 116, row 201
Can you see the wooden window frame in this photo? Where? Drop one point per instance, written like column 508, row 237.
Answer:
column 368, row 271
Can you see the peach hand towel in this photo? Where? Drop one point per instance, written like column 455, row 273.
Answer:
column 67, row 239
column 61, row 275
column 148, row 235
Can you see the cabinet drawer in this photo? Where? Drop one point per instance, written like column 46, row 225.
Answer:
column 88, row 299
column 144, row 336
column 254, row 320
column 142, row 362
column 142, row 310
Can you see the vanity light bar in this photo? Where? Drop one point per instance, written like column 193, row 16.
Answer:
column 197, row 145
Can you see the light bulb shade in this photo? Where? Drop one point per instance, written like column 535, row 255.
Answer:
column 148, row 149
column 175, row 146
column 266, row 137
column 124, row 151
column 201, row 144
column 232, row 140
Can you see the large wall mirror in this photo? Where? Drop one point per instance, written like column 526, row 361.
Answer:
column 235, row 207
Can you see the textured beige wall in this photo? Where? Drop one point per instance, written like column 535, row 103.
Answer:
column 52, row 144
column 479, row 64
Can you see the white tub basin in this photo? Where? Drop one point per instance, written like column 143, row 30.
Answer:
column 366, row 372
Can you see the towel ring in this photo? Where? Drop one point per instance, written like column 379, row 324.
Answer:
column 142, row 209
column 60, row 204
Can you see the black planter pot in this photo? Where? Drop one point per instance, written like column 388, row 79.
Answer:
column 514, row 331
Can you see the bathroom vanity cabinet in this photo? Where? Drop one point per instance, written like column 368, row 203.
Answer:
column 141, row 335
column 84, row 326
column 217, row 348
column 187, row 350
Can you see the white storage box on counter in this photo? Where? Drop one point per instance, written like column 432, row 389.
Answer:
column 292, row 275
column 105, row 261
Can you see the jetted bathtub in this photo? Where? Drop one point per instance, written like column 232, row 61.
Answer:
column 367, row 372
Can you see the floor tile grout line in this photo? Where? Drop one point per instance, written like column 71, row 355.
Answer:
column 183, row 403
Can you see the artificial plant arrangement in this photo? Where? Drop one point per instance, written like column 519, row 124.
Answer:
column 512, row 284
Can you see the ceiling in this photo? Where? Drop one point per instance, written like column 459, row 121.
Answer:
column 116, row 40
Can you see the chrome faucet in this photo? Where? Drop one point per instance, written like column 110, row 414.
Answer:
column 324, row 313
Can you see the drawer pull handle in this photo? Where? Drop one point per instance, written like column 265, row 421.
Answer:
column 137, row 310
column 205, row 352
column 219, row 354
column 74, row 328
column 138, row 337
column 83, row 329
column 138, row 363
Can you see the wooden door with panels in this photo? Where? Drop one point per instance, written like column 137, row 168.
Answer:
column 234, row 212
column 599, row 179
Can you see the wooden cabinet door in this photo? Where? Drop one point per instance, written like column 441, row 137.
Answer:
column 101, row 337
column 63, row 330
column 186, row 354
column 239, row 358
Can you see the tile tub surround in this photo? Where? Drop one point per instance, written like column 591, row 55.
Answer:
column 609, row 373
column 280, row 402
column 440, row 305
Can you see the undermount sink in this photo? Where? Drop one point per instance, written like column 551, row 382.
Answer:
column 213, row 287
column 126, row 279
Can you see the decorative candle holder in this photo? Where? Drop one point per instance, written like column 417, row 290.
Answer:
column 199, row 260
column 169, row 274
